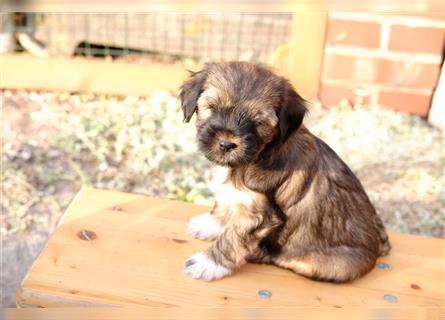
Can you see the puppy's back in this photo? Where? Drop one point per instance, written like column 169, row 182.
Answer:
column 333, row 233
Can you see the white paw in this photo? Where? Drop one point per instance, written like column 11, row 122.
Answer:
column 204, row 227
column 199, row 266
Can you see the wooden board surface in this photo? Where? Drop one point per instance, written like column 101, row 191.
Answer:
column 22, row 71
column 140, row 245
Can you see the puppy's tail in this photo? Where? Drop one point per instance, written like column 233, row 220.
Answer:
column 384, row 245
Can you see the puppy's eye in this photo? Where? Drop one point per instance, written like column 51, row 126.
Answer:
column 205, row 111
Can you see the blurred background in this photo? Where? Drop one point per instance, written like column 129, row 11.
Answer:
column 91, row 100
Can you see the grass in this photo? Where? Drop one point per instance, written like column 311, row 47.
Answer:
column 56, row 142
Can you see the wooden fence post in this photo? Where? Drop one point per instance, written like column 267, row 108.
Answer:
column 306, row 52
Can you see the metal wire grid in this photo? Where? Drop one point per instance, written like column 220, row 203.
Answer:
column 208, row 37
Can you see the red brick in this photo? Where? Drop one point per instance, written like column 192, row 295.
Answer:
column 405, row 102
column 402, row 73
column 417, row 39
column 332, row 95
column 353, row 33
column 426, row 15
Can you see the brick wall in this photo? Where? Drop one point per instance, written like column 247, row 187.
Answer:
column 386, row 59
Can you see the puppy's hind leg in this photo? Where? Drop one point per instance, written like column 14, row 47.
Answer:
column 339, row 264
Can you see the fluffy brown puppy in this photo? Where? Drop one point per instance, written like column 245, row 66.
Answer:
column 286, row 198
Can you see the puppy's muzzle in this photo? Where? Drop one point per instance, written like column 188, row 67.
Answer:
column 225, row 145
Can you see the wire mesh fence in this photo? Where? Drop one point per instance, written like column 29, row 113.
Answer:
column 216, row 37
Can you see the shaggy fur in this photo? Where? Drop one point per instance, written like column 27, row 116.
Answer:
column 287, row 198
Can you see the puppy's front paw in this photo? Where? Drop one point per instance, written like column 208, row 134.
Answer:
column 204, row 227
column 200, row 266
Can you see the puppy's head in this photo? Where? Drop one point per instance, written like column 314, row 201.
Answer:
column 240, row 108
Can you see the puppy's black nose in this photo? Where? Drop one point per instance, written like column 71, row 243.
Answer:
column 225, row 145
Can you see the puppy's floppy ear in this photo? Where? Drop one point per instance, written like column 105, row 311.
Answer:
column 292, row 111
column 190, row 92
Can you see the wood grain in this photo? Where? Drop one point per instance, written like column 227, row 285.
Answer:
column 21, row 71
column 140, row 246
column 306, row 49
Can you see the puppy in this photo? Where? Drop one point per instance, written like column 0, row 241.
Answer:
column 286, row 197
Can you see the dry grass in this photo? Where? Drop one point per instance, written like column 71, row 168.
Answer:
column 54, row 143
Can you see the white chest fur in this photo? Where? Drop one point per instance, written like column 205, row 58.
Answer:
column 225, row 193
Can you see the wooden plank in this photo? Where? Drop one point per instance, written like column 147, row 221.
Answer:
column 306, row 52
column 232, row 313
column 141, row 245
column 88, row 200
column 21, row 71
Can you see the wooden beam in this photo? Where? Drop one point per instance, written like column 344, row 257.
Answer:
column 21, row 71
column 306, row 52
column 120, row 249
